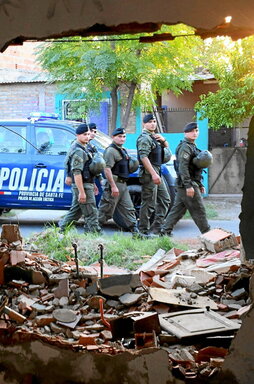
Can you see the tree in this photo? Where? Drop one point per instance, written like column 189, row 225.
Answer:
column 233, row 67
column 232, row 64
column 87, row 68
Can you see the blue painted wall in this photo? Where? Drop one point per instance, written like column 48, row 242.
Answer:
column 101, row 118
column 58, row 104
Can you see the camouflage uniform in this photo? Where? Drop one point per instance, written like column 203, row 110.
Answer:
column 188, row 176
column 123, row 201
column 75, row 213
column 78, row 159
column 91, row 147
column 155, row 198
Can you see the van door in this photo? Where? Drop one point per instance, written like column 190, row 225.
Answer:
column 15, row 164
column 52, row 145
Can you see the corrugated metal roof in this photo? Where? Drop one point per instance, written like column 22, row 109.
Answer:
column 21, row 76
column 202, row 75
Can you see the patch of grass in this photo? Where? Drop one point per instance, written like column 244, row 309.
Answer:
column 211, row 212
column 119, row 250
column 124, row 251
column 53, row 243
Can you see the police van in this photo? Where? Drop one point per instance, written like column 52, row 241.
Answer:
column 32, row 154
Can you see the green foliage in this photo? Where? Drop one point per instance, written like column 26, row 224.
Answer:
column 53, row 244
column 119, row 249
column 232, row 64
column 86, row 69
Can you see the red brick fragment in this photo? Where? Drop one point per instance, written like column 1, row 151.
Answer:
column 17, row 257
column 88, row 339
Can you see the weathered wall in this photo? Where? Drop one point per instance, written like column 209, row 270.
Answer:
column 18, row 100
column 48, row 364
column 36, row 18
column 188, row 99
column 21, row 57
column 247, row 214
column 226, row 174
column 239, row 363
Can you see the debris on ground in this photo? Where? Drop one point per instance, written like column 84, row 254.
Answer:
column 189, row 303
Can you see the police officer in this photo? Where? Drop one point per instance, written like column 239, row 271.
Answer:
column 93, row 132
column 116, row 193
column 91, row 147
column 154, row 195
column 189, row 183
column 83, row 190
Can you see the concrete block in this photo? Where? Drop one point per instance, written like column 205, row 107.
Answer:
column 119, row 284
column 217, row 240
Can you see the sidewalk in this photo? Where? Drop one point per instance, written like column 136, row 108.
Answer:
column 227, row 207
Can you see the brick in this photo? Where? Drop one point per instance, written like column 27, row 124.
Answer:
column 217, row 240
column 88, row 339
column 17, row 257
column 145, row 340
column 106, row 335
column 47, row 297
column 63, row 289
column 43, row 320
column 11, row 233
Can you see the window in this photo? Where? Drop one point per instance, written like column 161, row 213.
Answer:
column 53, row 141
column 13, row 139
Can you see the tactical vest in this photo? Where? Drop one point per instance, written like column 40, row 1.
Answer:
column 67, row 162
column 121, row 167
column 91, row 148
column 86, row 174
column 195, row 172
column 156, row 155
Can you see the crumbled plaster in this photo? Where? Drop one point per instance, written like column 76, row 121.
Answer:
column 51, row 365
column 239, row 362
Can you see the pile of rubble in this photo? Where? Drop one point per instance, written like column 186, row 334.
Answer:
column 188, row 303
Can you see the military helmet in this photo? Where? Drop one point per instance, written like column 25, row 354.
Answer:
column 166, row 155
column 133, row 164
column 97, row 165
column 203, row 160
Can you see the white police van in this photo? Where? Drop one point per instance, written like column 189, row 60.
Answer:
column 32, row 154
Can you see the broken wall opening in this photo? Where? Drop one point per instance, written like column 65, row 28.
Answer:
column 172, row 319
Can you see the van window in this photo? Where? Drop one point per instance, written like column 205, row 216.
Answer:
column 13, row 139
column 53, row 141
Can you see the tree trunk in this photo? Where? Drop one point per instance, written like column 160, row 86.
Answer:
column 128, row 105
column 114, row 99
column 247, row 214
